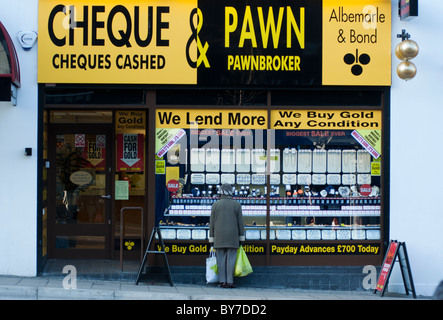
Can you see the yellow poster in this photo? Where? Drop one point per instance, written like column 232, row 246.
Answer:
column 211, row 119
column 356, row 42
column 326, row 119
column 127, row 121
column 165, row 139
column 160, row 166
column 172, row 173
column 376, row 168
column 367, row 141
column 110, row 41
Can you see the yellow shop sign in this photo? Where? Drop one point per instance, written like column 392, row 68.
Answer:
column 107, row 42
column 356, row 42
column 326, row 119
column 216, row 43
column 211, row 119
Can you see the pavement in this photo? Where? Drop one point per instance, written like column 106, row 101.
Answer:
column 60, row 288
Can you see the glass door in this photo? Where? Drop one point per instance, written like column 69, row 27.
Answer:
column 80, row 187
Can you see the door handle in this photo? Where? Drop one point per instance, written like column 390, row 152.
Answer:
column 107, row 196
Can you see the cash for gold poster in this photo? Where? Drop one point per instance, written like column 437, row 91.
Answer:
column 130, row 156
column 95, row 153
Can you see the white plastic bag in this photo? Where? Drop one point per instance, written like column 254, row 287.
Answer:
column 211, row 268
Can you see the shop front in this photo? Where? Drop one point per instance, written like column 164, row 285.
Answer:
column 150, row 108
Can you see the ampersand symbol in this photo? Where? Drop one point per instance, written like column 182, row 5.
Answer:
column 201, row 49
column 340, row 37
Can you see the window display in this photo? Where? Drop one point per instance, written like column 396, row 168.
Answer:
column 304, row 175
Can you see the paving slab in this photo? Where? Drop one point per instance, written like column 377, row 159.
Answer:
column 51, row 288
column 45, row 293
column 14, row 292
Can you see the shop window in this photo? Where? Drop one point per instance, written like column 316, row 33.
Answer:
column 80, row 242
column 84, row 116
column 4, row 60
column 327, row 182
column 314, row 175
column 130, row 177
column 80, row 168
column 94, row 96
column 327, row 98
column 212, row 97
column 9, row 68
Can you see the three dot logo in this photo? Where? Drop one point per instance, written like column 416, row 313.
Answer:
column 129, row 245
column 357, row 61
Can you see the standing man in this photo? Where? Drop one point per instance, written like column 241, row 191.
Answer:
column 226, row 231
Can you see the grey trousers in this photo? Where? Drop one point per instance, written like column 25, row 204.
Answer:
column 226, row 258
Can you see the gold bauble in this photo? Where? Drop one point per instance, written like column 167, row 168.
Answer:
column 398, row 53
column 406, row 70
column 407, row 49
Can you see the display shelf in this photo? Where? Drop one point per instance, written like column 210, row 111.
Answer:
column 282, row 207
column 314, row 232
column 323, row 232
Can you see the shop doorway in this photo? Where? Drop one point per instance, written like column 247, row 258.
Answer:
column 80, row 193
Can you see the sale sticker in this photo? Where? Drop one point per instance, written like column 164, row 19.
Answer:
column 173, row 186
column 365, row 190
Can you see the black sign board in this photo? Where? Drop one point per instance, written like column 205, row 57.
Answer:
column 407, row 9
column 396, row 251
column 253, row 53
column 161, row 250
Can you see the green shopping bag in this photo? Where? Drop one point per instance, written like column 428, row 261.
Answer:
column 242, row 265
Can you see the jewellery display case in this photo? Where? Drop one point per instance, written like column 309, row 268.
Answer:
column 313, row 195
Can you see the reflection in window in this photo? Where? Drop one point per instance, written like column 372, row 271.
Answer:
column 80, row 179
column 80, row 242
column 72, row 116
column 4, row 59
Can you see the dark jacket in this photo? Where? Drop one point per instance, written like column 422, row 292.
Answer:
column 226, row 228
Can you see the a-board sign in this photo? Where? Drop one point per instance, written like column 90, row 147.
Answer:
column 386, row 267
column 406, row 269
column 395, row 250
